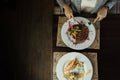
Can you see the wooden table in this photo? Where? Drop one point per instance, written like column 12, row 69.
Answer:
column 59, row 43
column 27, row 49
column 108, row 38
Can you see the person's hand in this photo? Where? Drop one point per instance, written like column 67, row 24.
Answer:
column 68, row 11
column 101, row 14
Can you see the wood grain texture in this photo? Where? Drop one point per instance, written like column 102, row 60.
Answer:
column 26, row 44
column 35, row 40
column 28, row 40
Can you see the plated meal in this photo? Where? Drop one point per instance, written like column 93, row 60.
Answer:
column 74, row 70
column 74, row 66
column 78, row 34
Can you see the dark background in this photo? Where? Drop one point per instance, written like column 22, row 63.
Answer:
column 7, row 5
column 26, row 41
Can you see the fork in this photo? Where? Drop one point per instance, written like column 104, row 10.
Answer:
column 76, row 20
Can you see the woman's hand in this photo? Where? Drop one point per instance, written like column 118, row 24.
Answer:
column 101, row 14
column 68, row 11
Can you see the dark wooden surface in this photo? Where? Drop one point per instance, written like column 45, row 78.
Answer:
column 108, row 55
column 26, row 52
column 26, row 43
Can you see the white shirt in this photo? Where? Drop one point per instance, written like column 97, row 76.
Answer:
column 88, row 5
column 85, row 5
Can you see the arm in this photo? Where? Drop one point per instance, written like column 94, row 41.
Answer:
column 61, row 2
column 110, row 3
column 68, row 11
column 102, row 13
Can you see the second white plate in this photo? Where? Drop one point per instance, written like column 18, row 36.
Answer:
column 67, row 57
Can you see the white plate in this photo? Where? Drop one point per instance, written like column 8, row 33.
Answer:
column 87, row 42
column 67, row 57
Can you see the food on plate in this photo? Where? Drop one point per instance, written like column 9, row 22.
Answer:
column 74, row 70
column 77, row 33
column 70, row 65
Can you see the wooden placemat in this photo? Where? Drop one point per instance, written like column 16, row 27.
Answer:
column 95, row 44
column 92, row 57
